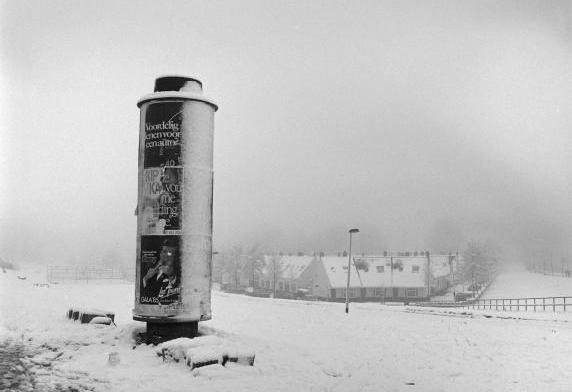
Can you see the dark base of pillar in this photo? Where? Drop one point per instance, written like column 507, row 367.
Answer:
column 168, row 331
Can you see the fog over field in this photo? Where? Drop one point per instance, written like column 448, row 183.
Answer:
column 424, row 123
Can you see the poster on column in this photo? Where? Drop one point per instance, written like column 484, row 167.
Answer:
column 161, row 200
column 160, row 270
column 163, row 134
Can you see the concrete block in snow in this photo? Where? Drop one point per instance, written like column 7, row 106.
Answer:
column 85, row 315
column 197, row 357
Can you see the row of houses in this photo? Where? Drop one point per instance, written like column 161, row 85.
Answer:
column 372, row 278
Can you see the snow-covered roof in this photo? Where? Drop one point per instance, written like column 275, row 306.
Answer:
column 376, row 271
column 291, row 267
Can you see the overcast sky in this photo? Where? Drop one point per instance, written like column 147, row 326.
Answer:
column 423, row 123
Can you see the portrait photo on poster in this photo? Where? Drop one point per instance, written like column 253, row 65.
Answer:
column 160, row 270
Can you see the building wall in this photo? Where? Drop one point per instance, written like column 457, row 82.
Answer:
column 315, row 279
column 387, row 293
column 355, row 292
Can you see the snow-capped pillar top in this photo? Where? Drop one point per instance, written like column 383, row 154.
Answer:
column 170, row 87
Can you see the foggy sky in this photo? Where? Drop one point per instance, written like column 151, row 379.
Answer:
column 424, row 123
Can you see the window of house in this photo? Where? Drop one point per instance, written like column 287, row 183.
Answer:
column 412, row 292
column 351, row 293
column 380, row 268
column 415, row 269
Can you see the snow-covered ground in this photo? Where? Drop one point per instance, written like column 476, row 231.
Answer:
column 517, row 282
column 306, row 346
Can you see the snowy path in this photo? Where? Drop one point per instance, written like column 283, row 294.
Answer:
column 308, row 346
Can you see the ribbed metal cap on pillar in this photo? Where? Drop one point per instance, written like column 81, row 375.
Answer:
column 178, row 83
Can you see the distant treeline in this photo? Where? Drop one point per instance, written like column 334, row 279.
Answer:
column 7, row 265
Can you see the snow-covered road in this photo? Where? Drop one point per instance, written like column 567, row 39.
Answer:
column 307, row 346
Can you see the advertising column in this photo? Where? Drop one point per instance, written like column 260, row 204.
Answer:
column 174, row 211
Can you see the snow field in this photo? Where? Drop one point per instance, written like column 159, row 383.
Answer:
column 308, row 346
column 517, row 282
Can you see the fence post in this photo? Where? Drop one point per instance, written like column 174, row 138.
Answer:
column 564, row 298
column 543, row 304
column 535, row 304
column 554, row 304
column 503, row 308
column 496, row 304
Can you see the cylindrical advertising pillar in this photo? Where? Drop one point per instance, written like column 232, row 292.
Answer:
column 174, row 208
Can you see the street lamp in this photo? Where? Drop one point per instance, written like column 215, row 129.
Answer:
column 473, row 272
column 349, row 268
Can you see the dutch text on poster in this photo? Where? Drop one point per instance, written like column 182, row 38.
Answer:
column 161, row 202
column 163, row 134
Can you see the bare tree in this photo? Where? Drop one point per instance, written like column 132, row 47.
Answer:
column 480, row 261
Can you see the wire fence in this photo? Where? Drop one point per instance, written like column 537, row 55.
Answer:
column 59, row 274
column 530, row 304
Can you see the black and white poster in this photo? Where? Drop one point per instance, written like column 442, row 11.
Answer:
column 160, row 270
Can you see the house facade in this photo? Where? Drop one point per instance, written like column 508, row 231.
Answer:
column 284, row 271
column 378, row 278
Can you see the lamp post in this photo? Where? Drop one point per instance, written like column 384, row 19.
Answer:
column 473, row 272
column 349, row 268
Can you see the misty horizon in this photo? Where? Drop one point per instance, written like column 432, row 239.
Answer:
column 425, row 125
